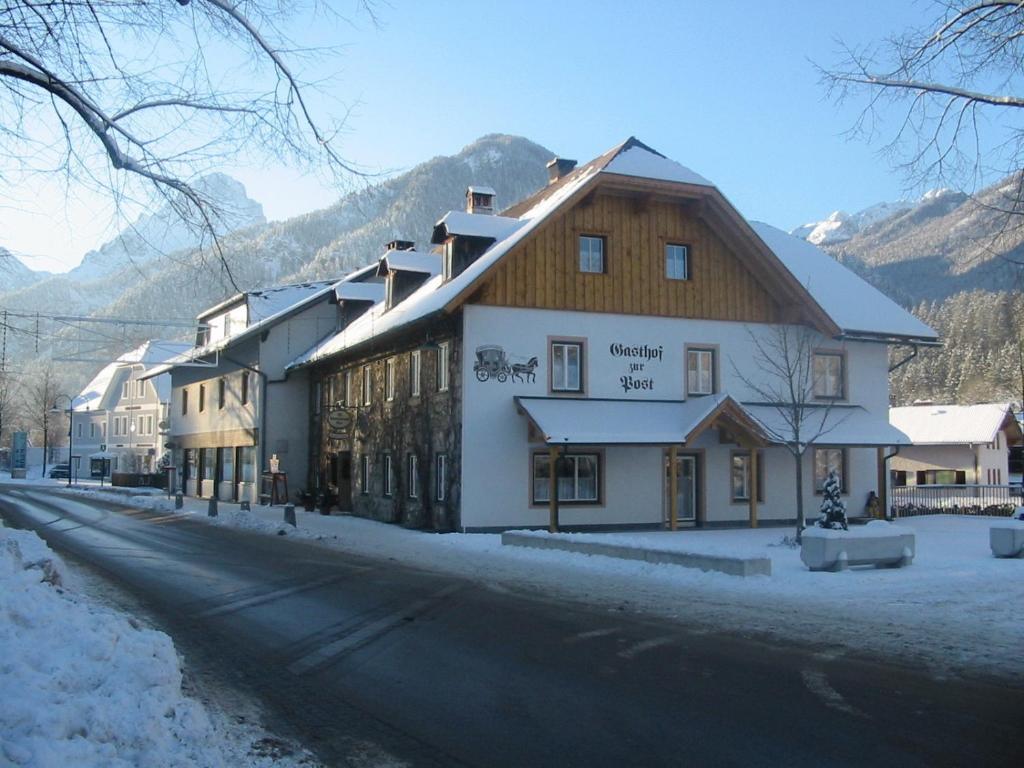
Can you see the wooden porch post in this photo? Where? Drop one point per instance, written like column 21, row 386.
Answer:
column 883, row 496
column 673, row 488
column 553, row 489
column 753, row 486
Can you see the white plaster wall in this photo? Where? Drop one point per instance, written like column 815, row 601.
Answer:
column 496, row 456
column 288, row 414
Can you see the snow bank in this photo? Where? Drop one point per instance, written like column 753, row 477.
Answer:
column 81, row 685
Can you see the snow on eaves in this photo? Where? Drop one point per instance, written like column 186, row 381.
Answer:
column 412, row 261
column 854, row 305
column 478, row 225
column 273, row 301
column 642, row 162
column 435, row 294
column 950, row 424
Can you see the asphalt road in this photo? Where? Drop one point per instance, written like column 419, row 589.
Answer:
column 369, row 661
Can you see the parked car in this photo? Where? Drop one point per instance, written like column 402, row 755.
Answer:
column 61, row 471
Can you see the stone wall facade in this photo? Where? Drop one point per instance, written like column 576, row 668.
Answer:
column 356, row 438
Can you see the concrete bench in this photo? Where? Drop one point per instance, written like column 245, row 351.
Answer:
column 878, row 543
column 1007, row 538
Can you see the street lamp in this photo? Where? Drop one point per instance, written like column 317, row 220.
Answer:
column 71, row 420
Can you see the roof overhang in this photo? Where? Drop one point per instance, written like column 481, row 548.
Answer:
column 596, row 421
column 847, row 425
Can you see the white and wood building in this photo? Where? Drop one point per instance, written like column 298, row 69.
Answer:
column 592, row 351
column 954, row 444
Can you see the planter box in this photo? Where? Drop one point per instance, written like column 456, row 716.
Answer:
column 1007, row 539
column 878, row 543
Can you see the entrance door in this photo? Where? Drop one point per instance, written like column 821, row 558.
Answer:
column 686, row 488
column 344, row 481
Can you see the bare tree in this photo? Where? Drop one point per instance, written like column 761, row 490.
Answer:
column 954, row 81
column 7, row 404
column 40, row 390
column 140, row 97
column 786, row 379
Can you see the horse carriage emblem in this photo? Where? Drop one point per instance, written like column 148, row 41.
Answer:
column 492, row 363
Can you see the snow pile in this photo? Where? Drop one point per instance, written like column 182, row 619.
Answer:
column 82, row 686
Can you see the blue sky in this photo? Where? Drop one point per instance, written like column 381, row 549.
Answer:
column 726, row 88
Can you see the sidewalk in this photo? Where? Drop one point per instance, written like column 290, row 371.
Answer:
column 956, row 608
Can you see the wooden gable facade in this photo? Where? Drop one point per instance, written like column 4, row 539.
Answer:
column 730, row 275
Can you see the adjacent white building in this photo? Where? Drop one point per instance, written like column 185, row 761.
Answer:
column 120, row 417
column 954, row 444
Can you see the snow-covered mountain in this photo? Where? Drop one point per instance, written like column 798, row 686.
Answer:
column 14, row 274
column 162, row 232
column 841, row 226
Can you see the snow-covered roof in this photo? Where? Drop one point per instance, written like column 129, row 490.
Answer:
column 274, row 298
column 854, row 305
column 273, row 301
column 351, row 291
column 435, row 294
column 149, row 355
column 410, row 261
column 595, row 421
column 474, row 225
column 838, row 425
column 951, row 424
column 476, row 189
column 640, row 160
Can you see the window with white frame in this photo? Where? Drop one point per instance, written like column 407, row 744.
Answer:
column 442, row 366
column 700, row 371
column 184, row 402
column 740, row 476
column 414, row 373
column 566, row 366
column 117, row 426
column 92, row 429
column 80, row 428
column 367, row 385
column 440, row 476
column 244, row 388
column 386, row 475
column 413, row 468
column 828, row 375
column 592, row 253
column 578, row 478
column 140, row 389
column 677, row 261
column 350, row 398
column 125, row 390
column 389, row 379
column 829, row 460
column 364, row 475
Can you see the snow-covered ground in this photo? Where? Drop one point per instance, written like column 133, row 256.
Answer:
column 956, row 609
column 82, row 684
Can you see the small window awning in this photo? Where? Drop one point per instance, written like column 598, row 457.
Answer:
column 839, row 425
column 594, row 421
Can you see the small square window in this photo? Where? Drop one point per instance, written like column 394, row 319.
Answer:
column 677, row 261
column 566, row 366
column 700, row 372
column 592, row 253
column 828, row 375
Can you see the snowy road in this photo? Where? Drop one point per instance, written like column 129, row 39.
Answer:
column 371, row 662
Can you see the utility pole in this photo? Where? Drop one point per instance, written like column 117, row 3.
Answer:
column 3, row 352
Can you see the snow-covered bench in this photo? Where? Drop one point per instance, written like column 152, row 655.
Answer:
column 878, row 543
column 1007, row 538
